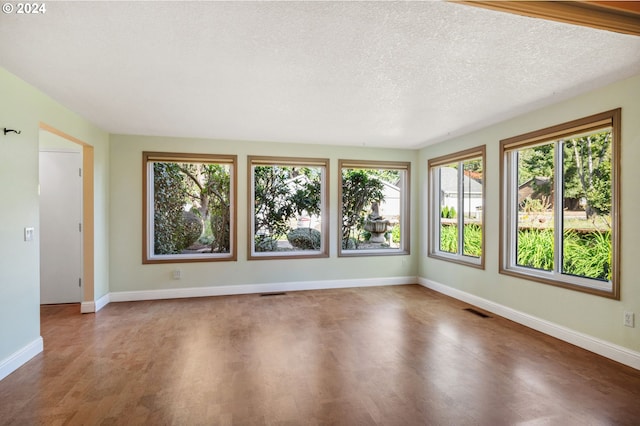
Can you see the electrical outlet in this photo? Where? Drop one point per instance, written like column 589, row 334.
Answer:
column 629, row 319
column 177, row 274
column 28, row 234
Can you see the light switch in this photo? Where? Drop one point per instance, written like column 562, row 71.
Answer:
column 28, row 234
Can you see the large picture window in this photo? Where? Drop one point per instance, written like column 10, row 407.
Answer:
column 374, row 202
column 288, row 207
column 560, row 203
column 456, row 207
column 189, row 207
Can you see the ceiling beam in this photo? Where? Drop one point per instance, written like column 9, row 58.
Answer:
column 617, row 16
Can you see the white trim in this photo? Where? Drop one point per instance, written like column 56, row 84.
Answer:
column 511, row 227
column 21, row 357
column 91, row 307
column 102, row 302
column 176, row 293
column 87, row 307
column 601, row 347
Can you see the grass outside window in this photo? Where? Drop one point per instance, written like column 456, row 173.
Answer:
column 560, row 201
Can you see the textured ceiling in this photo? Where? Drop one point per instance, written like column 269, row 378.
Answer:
column 393, row 74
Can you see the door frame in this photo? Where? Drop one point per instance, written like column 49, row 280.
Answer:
column 88, row 286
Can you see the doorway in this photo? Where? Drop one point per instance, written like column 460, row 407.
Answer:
column 51, row 138
column 60, row 226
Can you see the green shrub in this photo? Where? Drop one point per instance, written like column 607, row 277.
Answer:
column 305, row 238
column 587, row 255
column 179, row 234
column 265, row 244
column 472, row 240
column 449, row 239
column 168, row 209
column 448, row 212
column 535, row 248
column 534, row 205
column 395, row 234
column 192, row 228
column 360, row 188
column 350, row 244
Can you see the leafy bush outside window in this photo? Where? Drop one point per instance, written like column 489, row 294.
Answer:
column 287, row 207
column 559, row 205
column 189, row 207
column 374, row 199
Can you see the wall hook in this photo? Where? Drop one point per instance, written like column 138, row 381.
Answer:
column 17, row 132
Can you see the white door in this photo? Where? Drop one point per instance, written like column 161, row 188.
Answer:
column 60, row 227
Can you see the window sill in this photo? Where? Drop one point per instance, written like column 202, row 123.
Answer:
column 583, row 285
column 473, row 262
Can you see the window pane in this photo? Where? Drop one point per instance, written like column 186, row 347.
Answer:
column 372, row 208
column 448, row 208
column 456, row 207
column 287, row 209
column 560, row 217
column 472, row 205
column 535, row 239
column 191, row 208
column 587, row 189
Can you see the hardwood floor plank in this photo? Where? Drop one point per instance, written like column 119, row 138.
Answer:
column 401, row 355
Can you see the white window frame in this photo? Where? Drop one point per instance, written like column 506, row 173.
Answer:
column 405, row 231
column 509, row 204
column 435, row 191
column 148, row 160
column 321, row 163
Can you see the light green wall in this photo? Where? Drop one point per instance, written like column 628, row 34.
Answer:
column 23, row 107
column 118, row 204
column 592, row 315
column 128, row 274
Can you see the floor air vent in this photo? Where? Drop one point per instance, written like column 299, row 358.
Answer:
column 478, row 313
column 272, row 294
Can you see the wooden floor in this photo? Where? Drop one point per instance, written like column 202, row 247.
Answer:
column 372, row 356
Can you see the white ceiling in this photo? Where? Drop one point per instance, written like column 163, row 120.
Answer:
column 387, row 74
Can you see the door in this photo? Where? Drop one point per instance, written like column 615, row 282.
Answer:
column 60, row 227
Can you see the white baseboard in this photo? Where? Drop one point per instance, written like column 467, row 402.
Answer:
column 90, row 307
column 87, row 307
column 177, row 293
column 19, row 358
column 601, row 347
column 102, row 302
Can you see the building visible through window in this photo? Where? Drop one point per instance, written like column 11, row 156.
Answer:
column 560, row 201
column 374, row 199
column 456, row 207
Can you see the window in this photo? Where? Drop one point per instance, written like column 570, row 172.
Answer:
column 288, row 207
column 189, row 207
column 560, row 203
column 456, row 207
column 374, row 201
